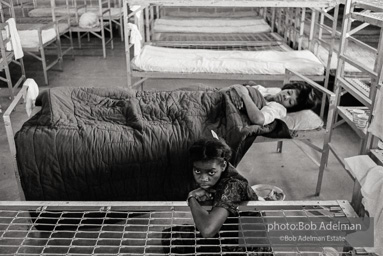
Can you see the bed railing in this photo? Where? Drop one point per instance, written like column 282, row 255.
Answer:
column 325, row 150
column 137, row 228
column 10, row 136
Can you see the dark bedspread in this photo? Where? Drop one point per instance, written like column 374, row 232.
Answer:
column 119, row 144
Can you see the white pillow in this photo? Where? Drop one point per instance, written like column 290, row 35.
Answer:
column 88, row 20
column 303, row 120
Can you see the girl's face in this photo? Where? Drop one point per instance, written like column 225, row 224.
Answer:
column 207, row 173
column 287, row 98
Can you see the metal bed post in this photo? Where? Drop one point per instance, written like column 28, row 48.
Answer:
column 286, row 23
column 280, row 22
column 151, row 21
column 147, row 26
column 58, row 43
column 302, row 28
column 326, row 144
column 10, row 137
column 128, row 47
column 297, row 11
column 312, row 30
column 139, row 21
column 273, row 19
column 121, row 22
column 325, row 148
column 330, row 55
column 127, row 43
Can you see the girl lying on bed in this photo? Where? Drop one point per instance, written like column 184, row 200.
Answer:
column 291, row 98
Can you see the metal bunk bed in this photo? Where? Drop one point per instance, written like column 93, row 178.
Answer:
column 8, row 57
column 294, row 31
column 262, row 41
column 39, row 35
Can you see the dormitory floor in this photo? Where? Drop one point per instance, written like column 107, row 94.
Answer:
column 290, row 170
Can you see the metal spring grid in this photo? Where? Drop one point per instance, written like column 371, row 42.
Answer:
column 276, row 47
column 112, row 232
column 255, row 37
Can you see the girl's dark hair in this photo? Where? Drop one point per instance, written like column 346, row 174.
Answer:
column 306, row 96
column 208, row 149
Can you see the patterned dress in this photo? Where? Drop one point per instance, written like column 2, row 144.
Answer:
column 232, row 189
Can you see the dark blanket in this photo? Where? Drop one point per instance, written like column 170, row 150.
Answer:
column 119, row 144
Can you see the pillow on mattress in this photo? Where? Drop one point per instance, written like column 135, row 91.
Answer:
column 303, row 120
column 88, row 20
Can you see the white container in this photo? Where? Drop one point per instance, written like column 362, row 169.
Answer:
column 355, row 114
column 266, row 192
column 362, row 120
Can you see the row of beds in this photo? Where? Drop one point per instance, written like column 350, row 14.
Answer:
column 285, row 42
column 43, row 26
column 164, row 40
column 160, row 24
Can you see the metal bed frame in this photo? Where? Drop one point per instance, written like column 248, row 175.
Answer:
column 152, row 13
column 136, row 228
column 8, row 57
column 105, row 19
column 323, row 150
column 38, row 52
column 116, row 19
column 144, row 28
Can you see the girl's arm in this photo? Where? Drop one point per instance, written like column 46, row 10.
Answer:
column 208, row 223
column 254, row 113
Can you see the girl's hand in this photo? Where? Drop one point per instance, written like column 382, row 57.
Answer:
column 201, row 194
column 241, row 90
column 251, row 83
column 236, row 99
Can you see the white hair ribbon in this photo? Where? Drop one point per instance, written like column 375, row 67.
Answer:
column 214, row 135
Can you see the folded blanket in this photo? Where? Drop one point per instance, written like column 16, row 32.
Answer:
column 117, row 144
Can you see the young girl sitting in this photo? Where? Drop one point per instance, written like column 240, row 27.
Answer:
column 291, row 98
column 218, row 181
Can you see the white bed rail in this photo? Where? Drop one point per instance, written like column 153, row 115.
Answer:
column 11, row 139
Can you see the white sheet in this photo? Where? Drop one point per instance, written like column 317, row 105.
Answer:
column 249, row 25
column 208, row 13
column 161, row 59
column 62, row 11
column 47, row 12
column 30, row 38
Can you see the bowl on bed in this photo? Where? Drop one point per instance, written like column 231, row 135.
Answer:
column 267, row 192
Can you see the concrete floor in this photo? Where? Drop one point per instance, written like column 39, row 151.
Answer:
column 290, row 170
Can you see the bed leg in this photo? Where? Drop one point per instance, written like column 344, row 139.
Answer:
column 71, row 43
column 79, row 39
column 9, row 82
column 323, row 165
column 279, row 146
column 44, row 63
